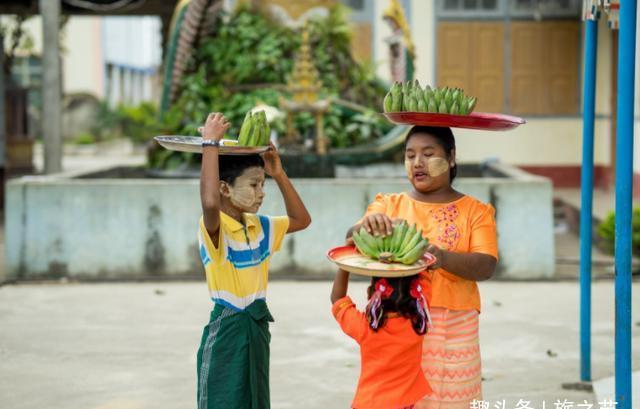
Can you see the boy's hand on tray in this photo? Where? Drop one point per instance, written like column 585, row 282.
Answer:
column 272, row 162
column 214, row 127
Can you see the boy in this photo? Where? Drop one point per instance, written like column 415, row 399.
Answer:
column 236, row 245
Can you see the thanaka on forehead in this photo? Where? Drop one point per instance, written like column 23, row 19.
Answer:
column 253, row 172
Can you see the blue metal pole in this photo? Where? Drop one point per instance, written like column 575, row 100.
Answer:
column 624, row 196
column 588, row 113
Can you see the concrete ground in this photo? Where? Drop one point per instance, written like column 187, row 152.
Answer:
column 133, row 345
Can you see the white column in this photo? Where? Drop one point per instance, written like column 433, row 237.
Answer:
column 51, row 86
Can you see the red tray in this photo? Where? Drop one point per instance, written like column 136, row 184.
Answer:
column 349, row 258
column 475, row 120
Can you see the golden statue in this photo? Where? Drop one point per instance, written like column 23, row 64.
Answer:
column 400, row 44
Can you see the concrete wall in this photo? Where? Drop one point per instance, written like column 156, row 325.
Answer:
column 109, row 228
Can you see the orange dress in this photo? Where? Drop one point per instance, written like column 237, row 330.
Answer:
column 451, row 351
column 390, row 374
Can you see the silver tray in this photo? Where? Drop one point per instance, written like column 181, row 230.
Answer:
column 193, row 144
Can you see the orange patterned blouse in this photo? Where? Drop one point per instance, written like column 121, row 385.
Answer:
column 465, row 225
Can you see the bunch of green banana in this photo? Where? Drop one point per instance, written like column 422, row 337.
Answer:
column 255, row 130
column 411, row 97
column 404, row 245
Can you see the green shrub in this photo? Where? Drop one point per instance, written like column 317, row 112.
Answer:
column 606, row 231
column 84, row 139
column 248, row 59
column 139, row 123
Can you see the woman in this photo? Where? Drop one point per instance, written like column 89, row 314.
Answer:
column 462, row 233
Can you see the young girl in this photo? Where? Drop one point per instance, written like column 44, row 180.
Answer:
column 462, row 232
column 236, row 245
column 390, row 335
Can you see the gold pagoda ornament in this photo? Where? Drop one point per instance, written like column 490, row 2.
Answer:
column 304, row 85
column 304, row 82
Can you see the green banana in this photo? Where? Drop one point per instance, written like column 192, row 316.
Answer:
column 398, row 234
column 266, row 130
column 422, row 107
column 386, row 243
column 437, row 95
column 255, row 130
column 406, row 99
column 362, row 245
column 471, row 104
column 461, row 98
column 408, row 241
column 369, row 240
column 244, row 129
column 448, row 98
column 442, row 108
column 413, row 104
column 396, row 105
column 412, row 243
column 428, row 96
column 415, row 253
column 404, row 245
column 409, row 96
column 454, row 95
column 411, row 232
column 388, row 102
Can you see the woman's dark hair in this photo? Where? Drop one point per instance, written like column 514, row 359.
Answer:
column 445, row 138
column 232, row 166
column 399, row 301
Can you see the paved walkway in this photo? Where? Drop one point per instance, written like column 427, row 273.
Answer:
column 132, row 346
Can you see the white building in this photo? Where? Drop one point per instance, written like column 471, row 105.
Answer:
column 114, row 58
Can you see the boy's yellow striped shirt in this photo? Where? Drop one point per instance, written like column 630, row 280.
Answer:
column 238, row 268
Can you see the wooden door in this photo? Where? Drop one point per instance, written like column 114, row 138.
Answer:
column 471, row 56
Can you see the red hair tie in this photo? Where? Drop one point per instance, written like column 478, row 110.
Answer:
column 415, row 290
column 374, row 311
column 384, row 288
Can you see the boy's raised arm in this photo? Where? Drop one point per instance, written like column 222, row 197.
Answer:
column 299, row 217
column 214, row 129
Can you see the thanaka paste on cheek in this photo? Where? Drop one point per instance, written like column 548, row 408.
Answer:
column 409, row 168
column 437, row 166
column 243, row 195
